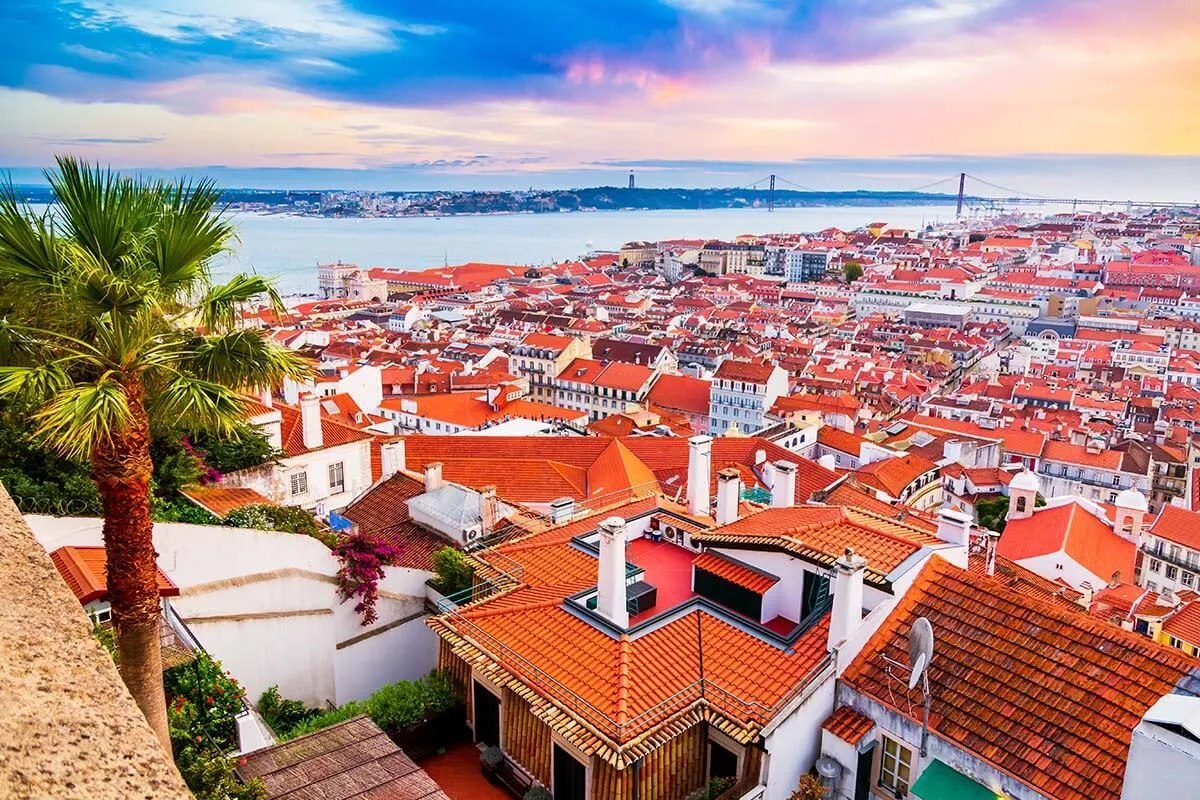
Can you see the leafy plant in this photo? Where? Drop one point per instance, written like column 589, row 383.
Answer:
column 245, row 447
column 105, row 636
column 810, row 788
column 180, row 509
column 289, row 519
column 326, row 718
column 405, row 704
column 283, row 715
column 204, row 701
column 454, row 573
column 712, row 790
column 363, row 560
column 394, row 707
column 210, row 776
column 492, row 758
column 538, row 793
column 852, row 270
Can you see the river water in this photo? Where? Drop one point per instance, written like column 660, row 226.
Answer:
column 289, row 248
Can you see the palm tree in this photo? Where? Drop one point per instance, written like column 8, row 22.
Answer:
column 113, row 328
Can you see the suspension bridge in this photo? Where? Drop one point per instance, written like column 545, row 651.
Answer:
column 986, row 199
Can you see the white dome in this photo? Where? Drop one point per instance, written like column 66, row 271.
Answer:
column 1132, row 498
column 1024, row 481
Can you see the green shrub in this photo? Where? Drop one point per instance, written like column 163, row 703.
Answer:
column 327, row 718
column 492, row 757
column 203, row 702
column 404, row 704
column 248, row 447
column 395, row 707
column 179, row 509
column 712, row 790
column 538, row 793
column 288, row 519
column 281, row 714
column 454, row 573
column 210, row 776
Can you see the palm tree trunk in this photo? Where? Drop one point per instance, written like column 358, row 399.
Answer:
column 122, row 468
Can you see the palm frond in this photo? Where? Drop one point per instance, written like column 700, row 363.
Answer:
column 244, row 360
column 33, row 385
column 192, row 404
column 188, row 235
column 99, row 208
column 81, row 417
column 30, row 249
column 217, row 309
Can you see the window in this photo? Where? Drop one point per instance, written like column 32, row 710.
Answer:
column 299, row 483
column 1151, row 586
column 1172, row 573
column 337, row 478
column 894, row 767
column 1188, row 579
column 1155, row 566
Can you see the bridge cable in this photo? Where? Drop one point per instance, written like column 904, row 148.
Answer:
column 1013, row 192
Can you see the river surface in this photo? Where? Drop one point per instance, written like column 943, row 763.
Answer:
column 289, row 248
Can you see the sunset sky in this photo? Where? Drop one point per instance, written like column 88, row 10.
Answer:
column 830, row 93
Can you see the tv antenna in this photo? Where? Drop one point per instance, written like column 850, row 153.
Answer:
column 920, row 653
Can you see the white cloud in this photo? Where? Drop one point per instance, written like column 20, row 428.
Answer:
column 292, row 25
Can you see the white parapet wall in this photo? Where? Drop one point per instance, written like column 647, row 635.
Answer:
column 265, row 604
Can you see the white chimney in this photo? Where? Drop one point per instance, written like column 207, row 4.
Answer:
column 392, row 457
column 265, row 397
column 433, row 476
column 783, row 493
column 274, row 431
column 291, row 392
column 699, row 474
column 611, row 598
column 846, row 616
column 954, row 526
column 828, row 461
column 310, row 421
column 729, row 490
column 488, row 508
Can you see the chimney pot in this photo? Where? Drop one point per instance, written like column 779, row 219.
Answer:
column 310, row 421
column 391, row 458
column 611, row 601
column 729, row 490
column 699, row 474
column 846, row 614
column 783, row 492
column 433, row 476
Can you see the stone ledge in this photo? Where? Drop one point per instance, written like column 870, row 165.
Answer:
column 68, row 726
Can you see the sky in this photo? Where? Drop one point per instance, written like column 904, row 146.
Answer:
column 1062, row 97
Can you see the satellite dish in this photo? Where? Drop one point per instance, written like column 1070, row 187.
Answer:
column 920, row 649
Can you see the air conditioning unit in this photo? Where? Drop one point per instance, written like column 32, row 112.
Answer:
column 671, row 534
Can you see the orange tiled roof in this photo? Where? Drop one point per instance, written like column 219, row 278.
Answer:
column 383, row 513
column 848, row 725
column 681, row 393
column 1185, row 624
column 1025, row 581
column 220, row 500
column 85, row 570
column 1073, row 529
column 893, row 475
column 824, row 532
column 1046, row 695
column 1178, row 525
column 332, row 433
column 741, row 574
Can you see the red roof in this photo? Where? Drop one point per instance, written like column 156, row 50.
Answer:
column 332, row 433
column 735, row 572
column 220, row 500
column 1185, row 624
column 383, row 513
column 681, row 393
column 849, row 725
column 1178, row 525
column 752, row 371
column 85, row 570
column 1072, row 529
column 1045, row 694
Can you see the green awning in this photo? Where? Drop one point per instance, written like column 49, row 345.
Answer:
column 939, row 782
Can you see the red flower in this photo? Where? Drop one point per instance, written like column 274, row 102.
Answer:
column 199, row 738
column 208, row 700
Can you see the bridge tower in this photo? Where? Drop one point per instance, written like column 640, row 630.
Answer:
column 962, row 184
column 630, row 179
column 771, row 196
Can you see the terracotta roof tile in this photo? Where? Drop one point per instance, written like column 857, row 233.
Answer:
column 220, row 500
column 1073, row 529
column 1044, row 694
column 1185, row 624
column 735, row 572
column 383, row 513
column 85, row 570
column 332, row 433
column 848, row 725
column 1178, row 525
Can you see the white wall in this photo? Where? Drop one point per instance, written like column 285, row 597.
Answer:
column 794, row 746
column 265, row 604
column 1161, row 764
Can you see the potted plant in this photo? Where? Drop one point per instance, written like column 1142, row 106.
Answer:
column 491, row 759
column 538, row 793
